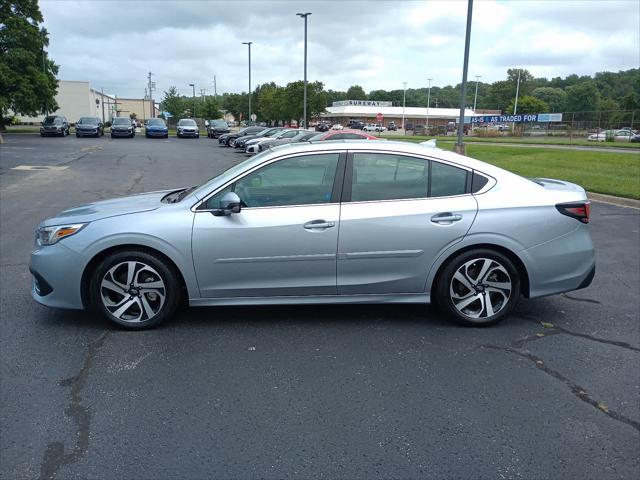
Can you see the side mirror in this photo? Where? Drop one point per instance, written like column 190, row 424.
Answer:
column 229, row 204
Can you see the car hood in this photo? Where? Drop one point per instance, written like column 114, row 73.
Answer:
column 109, row 208
column 87, row 125
column 156, row 127
column 121, row 127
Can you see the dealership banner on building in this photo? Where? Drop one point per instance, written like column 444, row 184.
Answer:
column 520, row 118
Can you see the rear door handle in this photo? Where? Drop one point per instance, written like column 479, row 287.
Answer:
column 318, row 224
column 446, row 217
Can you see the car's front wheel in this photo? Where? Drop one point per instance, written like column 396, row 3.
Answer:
column 478, row 288
column 135, row 289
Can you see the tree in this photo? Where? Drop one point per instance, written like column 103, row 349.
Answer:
column 28, row 83
column 583, row 97
column 173, row 103
column 555, row 98
column 501, row 94
column 529, row 104
column 356, row 92
column 210, row 109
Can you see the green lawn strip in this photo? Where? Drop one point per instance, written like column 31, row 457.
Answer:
column 599, row 172
column 524, row 140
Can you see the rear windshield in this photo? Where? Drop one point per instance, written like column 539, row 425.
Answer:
column 121, row 121
column 158, row 122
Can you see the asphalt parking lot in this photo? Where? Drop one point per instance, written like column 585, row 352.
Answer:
column 391, row 391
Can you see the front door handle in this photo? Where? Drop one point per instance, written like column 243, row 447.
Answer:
column 446, row 217
column 318, row 224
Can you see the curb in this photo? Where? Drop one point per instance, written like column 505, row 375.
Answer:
column 610, row 199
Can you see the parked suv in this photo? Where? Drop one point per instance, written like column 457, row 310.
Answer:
column 89, row 127
column 356, row 124
column 54, row 125
column 122, row 127
column 392, row 127
column 215, row 128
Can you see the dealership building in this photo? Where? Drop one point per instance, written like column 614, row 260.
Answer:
column 367, row 111
column 77, row 99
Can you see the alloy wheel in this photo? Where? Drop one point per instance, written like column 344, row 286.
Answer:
column 480, row 288
column 133, row 291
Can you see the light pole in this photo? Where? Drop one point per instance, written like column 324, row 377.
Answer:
column 305, row 15
column 515, row 105
column 248, row 44
column 194, row 99
column 404, row 101
column 428, row 104
column 475, row 97
column 465, row 67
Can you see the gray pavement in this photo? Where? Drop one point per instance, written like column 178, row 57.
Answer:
column 391, row 391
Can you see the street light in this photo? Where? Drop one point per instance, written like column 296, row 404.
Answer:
column 475, row 97
column 404, row 101
column 428, row 104
column 248, row 44
column 305, row 15
column 465, row 67
column 194, row 99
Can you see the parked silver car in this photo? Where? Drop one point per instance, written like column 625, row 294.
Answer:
column 325, row 222
column 187, row 127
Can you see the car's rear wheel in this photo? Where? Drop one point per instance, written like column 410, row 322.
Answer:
column 478, row 288
column 135, row 289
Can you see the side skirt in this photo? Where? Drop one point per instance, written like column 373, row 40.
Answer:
column 312, row 299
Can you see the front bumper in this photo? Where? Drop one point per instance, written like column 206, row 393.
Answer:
column 189, row 133
column 86, row 133
column 57, row 276
column 51, row 132
column 122, row 133
column 156, row 133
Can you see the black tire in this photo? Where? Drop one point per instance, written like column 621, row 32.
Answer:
column 473, row 261
column 77, row 136
column 112, row 136
column 165, row 272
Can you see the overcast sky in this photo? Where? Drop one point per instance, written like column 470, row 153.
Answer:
column 113, row 44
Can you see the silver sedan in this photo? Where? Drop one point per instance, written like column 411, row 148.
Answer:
column 326, row 222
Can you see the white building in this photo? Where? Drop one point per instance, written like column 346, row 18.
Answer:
column 78, row 99
column 367, row 110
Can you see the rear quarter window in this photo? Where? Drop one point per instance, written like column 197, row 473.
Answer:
column 447, row 180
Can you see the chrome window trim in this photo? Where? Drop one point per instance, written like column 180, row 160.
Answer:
column 194, row 207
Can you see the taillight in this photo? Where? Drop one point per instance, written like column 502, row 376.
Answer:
column 580, row 211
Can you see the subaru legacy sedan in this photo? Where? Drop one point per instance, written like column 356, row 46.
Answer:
column 323, row 222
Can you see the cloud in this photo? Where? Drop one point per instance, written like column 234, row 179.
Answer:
column 114, row 44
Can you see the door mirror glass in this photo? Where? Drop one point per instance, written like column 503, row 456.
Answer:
column 229, row 203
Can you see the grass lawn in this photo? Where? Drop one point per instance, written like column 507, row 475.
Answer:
column 525, row 140
column 601, row 172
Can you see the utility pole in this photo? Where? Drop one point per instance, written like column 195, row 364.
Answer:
column 102, row 102
column 515, row 105
column 463, row 94
column 249, row 45
column 194, row 100
column 215, row 90
column 404, row 101
column 305, row 15
column 144, row 114
column 428, row 104
column 151, row 103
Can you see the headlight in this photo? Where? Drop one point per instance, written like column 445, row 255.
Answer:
column 51, row 235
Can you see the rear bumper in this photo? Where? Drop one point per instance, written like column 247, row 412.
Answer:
column 561, row 265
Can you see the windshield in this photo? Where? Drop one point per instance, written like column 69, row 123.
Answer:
column 186, row 122
column 88, row 121
column 121, row 121
column 156, row 122
column 50, row 120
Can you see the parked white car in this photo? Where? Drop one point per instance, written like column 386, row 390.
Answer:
column 337, row 126
column 372, row 127
column 618, row 135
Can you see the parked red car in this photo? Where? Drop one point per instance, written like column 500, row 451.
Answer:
column 342, row 135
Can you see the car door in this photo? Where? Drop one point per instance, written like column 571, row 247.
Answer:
column 398, row 214
column 284, row 240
